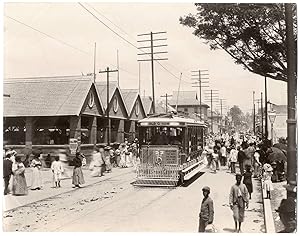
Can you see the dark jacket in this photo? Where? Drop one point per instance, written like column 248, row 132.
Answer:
column 77, row 162
column 241, row 156
column 7, row 168
column 207, row 210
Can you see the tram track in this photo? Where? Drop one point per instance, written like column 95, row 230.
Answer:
column 41, row 215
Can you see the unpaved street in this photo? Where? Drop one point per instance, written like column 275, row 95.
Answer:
column 114, row 205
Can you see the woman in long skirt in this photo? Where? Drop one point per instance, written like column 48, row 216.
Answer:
column 108, row 165
column 19, row 181
column 36, row 179
column 96, row 164
column 77, row 172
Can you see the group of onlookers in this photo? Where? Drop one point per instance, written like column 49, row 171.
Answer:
column 103, row 161
column 14, row 173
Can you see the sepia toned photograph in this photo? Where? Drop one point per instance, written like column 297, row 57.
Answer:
column 152, row 117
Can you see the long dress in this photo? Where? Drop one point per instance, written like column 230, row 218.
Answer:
column 36, row 179
column 77, row 172
column 95, row 165
column 248, row 181
column 267, row 182
column 19, row 181
column 108, row 165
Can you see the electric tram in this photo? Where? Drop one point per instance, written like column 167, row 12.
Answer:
column 170, row 150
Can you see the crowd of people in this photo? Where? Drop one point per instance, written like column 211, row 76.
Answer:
column 251, row 155
column 103, row 160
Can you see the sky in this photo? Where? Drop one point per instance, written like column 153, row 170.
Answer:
column 67, row 33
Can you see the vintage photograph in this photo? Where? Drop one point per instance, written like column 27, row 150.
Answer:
column 149, row 117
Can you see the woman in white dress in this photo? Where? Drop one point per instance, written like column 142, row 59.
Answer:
column 96, row 164
column 36, row 179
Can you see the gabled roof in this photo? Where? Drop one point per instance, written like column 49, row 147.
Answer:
column 147, row 104
column 102, row 93
column 185, row 98
column 130, row 96
column 45, row 96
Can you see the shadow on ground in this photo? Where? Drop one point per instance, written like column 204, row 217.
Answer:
column 192, row 180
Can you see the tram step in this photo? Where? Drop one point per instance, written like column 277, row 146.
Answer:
column 155, row 182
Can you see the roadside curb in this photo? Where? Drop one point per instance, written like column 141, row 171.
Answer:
column 268, row 216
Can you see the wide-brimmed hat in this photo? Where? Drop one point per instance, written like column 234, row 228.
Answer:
column 107, row 148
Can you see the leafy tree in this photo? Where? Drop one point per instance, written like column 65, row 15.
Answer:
column 236, row 115
column 252, row 34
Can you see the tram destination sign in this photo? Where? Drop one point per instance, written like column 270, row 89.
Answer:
column 158, row 155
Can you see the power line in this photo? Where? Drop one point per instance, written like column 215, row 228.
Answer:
column 123, row 37
column 47, row 35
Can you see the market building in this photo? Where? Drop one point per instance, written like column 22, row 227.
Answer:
column 66, row 112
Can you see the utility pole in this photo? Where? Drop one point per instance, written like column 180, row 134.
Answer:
column 262, row 116
column 95, row 63
column 266, row 109
column 140, row 78
column 199, row 76
column 214, row 97
column 151, row 53
column 107, row 71
column 253, row 98
column 221, row 103
column 118, row 68
column 166, row 96
column 258, row 101
column 292, row 93
column 178, row 92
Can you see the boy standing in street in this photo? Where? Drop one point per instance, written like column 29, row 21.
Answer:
column 206, row 215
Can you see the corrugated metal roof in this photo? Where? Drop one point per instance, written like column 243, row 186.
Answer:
column 45, row 96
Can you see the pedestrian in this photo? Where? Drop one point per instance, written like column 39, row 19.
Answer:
column 118, row 157
column 77, row 171
column 36, row 177
column 7, row 172
column 123, row 150
column 256, row 163
column 19, row 181
column 241, row 158
column 96, row 164
column 108, row 166
column 238, row 201
column 267, row 180
column 206, row 215
column 223, row 154
column 233, row 159
column 103, row 166
column 250, row 154
column 215, row 160
column 248, row 180
column 57, row 170
column 287, row 214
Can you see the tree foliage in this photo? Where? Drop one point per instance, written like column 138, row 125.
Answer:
column 252, row 34
column 236, row 115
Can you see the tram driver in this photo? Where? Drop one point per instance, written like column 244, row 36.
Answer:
column 160, row 137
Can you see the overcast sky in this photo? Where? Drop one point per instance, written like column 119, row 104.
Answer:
column 28, row 53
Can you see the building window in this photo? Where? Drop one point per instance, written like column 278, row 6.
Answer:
column 115, row 104
column 195, row 109
column 91, row 100
column 186, row 109
column 137, row 108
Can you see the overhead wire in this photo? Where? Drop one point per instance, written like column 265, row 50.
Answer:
column 47, row 35
column 124, row 38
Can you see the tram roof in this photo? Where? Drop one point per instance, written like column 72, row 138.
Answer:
column 170, row 120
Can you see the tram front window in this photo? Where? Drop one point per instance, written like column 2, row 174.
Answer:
column 162, row 135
